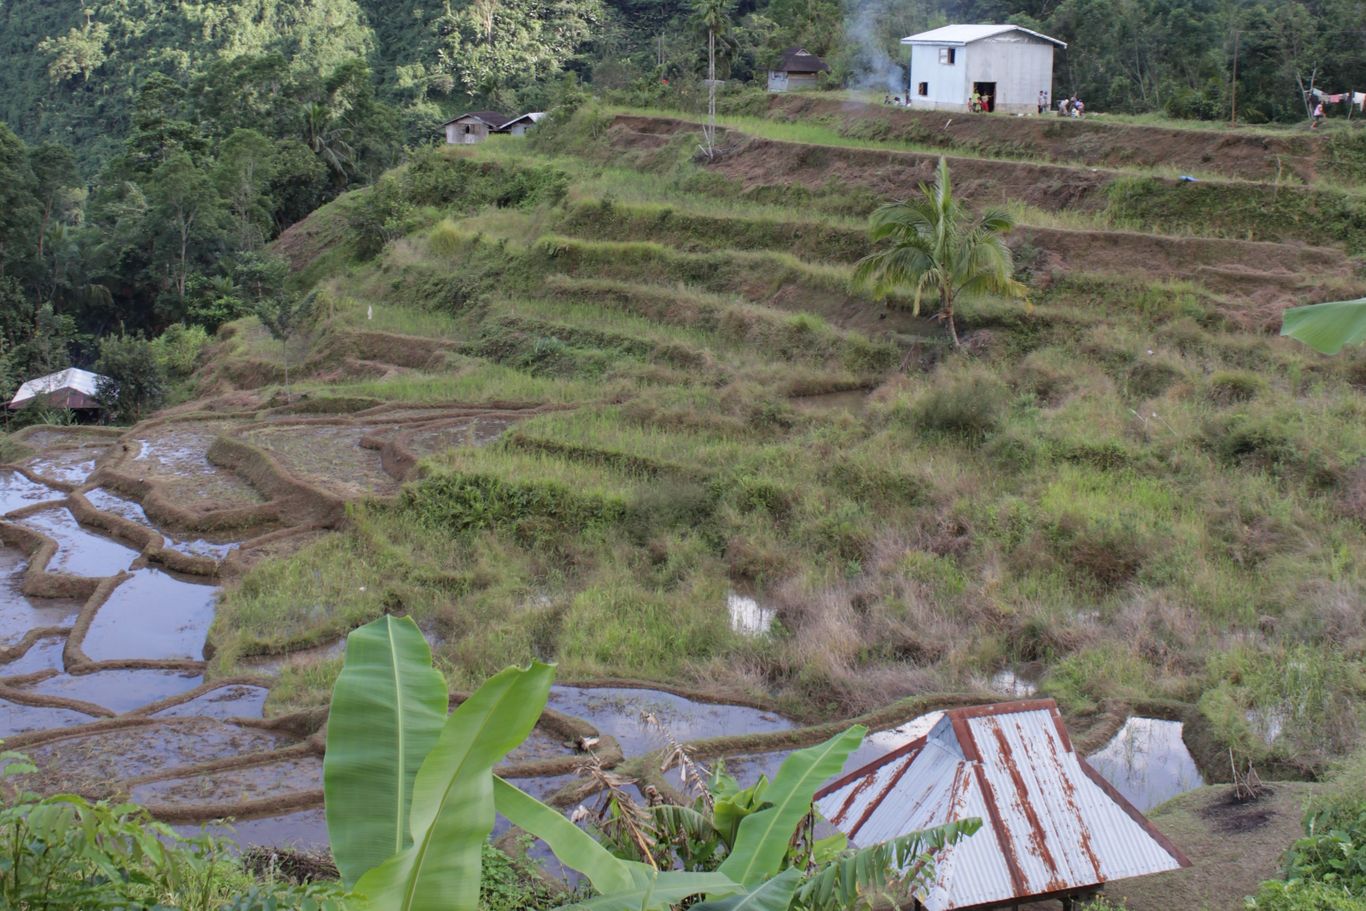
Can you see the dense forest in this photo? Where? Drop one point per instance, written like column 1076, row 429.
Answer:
column 152, row 149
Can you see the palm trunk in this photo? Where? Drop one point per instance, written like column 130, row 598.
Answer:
column 284, row 345
column 711, row 92
column 947, row 310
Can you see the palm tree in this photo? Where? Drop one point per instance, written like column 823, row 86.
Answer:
column 714, row 16
column 938, row 248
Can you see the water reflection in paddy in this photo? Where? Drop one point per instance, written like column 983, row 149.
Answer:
column 17, row 492
column 119, row 691
column 18, row 612
column 43, row 655
column 80, row 552
column 233, row 701
column 112, row 503
column 618, row 711
column 1148, row 762
column 21, row 719
column 152, row 615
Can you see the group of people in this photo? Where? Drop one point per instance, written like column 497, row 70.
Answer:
column 1067, row 107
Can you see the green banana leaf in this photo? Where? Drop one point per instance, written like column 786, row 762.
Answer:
column 452, row 809
column 658, row 891
column 863, row 873
column 387, row 710
column 1327, row 327
column 763, row 838
column 774, row 895
column 574, row 847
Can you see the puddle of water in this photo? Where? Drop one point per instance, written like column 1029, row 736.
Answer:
column 1148, row 762
column 80, row 552
column 43, row 655
column 17, row 491
column 544, row 786
column 70, row 467
column 237, row 700
column 18, row 612
column 20, row 719
column 305, row 829
column 112, row 503
column 747, row 615
column 617, row 711
column 152, row 615
column 92, row 761
column 119, row 691
column 1012, row 682
column 288, row 776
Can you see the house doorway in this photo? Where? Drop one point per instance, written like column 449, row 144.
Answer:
column 987, row 92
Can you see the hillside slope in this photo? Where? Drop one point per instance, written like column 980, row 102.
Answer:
column 1128, row 489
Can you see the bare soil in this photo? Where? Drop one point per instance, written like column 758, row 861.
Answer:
column 1248, row 154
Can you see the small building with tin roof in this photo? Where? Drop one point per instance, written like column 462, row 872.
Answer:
column 1052, row 827
column 474, row 127
column 1006, row 66
column 797, row 68
column 72, row 389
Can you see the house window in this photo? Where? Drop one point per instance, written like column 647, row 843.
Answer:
column 922, row 89
column 947, row 55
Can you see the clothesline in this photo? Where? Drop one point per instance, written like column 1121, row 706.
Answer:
column 1356, row 98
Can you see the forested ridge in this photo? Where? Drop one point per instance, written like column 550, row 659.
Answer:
column 151, row 149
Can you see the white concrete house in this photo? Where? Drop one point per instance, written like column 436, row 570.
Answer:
column 1005, row 64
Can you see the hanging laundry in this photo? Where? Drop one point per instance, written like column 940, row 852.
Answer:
column 1359, row 99
column 1334, row 99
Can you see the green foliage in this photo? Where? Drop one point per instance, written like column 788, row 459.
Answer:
column 177, row 350
column 134, row 380
column 1329, row 327
column 937, row 254
column 1303, row 896
column 64, row 852
column 968, row 402
column 470, row 502
column 388, row 708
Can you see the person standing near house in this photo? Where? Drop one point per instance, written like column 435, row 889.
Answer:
column 1043, row 102
column 1318, row 115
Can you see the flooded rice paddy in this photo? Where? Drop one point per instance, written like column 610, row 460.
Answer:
column 1148, row 762
column 107, row 691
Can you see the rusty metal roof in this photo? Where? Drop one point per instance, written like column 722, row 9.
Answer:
column 1050, row 823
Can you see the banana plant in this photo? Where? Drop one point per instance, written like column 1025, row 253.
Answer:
column 1327, row 328
column 411, row 797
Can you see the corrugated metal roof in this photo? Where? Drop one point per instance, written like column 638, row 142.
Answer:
column 534, row 117
column 960, row 35
column 1050, row 823
column 72, row 378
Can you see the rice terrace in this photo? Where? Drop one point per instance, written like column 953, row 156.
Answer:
column 1050, row 581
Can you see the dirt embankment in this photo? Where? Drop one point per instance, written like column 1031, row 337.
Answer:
column 1251, row 155
column 764, row 162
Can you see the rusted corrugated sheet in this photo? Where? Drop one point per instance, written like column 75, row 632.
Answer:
column 1050, row 823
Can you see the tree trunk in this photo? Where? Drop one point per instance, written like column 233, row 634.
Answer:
column 711, row 93
column 947, row 310
column 284, row 347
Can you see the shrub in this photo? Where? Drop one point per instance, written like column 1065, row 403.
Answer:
column 1153, row 376
column 1107, row 549
column 1303, row 896
column 466, row 503
column 969, row 404
column 177, row 349
column 134, row 381
column 1081, row 681
column 1229, row 387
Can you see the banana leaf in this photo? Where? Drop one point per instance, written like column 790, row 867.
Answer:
column 762, row 841
column 658, row 891
column 574, row 847
column 387, row 710
column 452, row 809
column 1327, row 327
column 774, row 895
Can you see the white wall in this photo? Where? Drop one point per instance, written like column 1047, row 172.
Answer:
column 1019, row 65
column 947, row 83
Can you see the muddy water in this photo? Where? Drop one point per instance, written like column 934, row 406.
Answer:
column 1148, row 762
column 112, row 503
column 620, row 711
column 153, row 615
column 80, row 552
column 17, row 492
column 119, row 691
